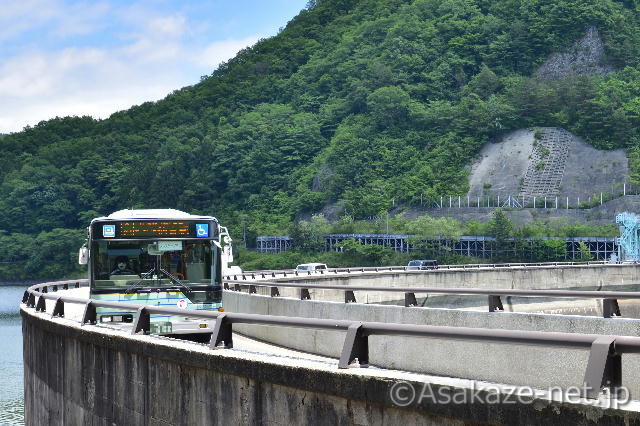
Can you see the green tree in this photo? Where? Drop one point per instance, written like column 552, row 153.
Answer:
column 500, row 227
column 585, row 253
column 309, row 235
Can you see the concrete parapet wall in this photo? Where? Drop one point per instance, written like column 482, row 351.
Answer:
column 521, row 278
column 89, row 375
column 502, row 363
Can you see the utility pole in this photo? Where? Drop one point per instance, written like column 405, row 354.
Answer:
column 386, row 239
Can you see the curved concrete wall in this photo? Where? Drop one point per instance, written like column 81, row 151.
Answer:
column 524, row 278
column 93, row 375
column 598, row 276
column 90, row 375
column 502, row 363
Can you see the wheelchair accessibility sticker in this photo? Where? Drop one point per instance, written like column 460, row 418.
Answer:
column 202, row 230
column 108, row 231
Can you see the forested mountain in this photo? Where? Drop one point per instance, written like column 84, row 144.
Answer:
column 354, row 101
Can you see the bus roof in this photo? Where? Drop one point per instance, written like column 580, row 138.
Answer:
column 152, row 214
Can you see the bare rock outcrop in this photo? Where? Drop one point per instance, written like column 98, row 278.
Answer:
column 545, row 161
column 584, row 57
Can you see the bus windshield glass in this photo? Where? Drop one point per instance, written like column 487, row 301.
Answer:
column 154, row 263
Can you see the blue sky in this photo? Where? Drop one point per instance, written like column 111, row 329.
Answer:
column 63, row 57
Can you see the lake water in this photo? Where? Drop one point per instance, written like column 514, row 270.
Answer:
column 11, row 379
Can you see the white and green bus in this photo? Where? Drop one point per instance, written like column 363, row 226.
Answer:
column 158, row 257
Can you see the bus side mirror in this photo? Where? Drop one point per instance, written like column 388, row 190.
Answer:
column 83, row 255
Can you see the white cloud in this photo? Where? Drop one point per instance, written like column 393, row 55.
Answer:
column 107, row 57
column 152, row 58
column 18, row 17
column 220, row 51
column 172, row 26
column 38, row 85
column 86, row 18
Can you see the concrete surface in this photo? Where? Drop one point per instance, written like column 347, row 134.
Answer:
column 522, row 278
column 91, row 375
column 502, row 363
column 502, row 164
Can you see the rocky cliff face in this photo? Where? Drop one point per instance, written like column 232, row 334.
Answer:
column 586, row 56
column 546, row 161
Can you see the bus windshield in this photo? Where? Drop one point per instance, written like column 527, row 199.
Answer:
column 154, row 263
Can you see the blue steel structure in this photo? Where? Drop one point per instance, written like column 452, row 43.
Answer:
column 629, row 241
column 602, row 248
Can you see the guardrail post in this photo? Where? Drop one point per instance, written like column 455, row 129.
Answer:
column 410, row 300
column 143, row 321
column 495, row 304
column 275, row 292
column 31, row 302
column 610, row 308
column 41, row 306
column 252, row 289
column 222, row 332
column 58, row 309
column 304, row 294
column 89, row 315
column 349, row 297
column 356, row 345
column 604, row 368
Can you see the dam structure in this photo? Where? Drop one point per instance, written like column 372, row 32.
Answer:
column 502, row 344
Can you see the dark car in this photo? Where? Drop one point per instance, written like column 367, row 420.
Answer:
column 423, row 264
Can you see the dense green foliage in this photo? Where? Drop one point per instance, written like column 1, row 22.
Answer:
column 531, row 242
column 425, row 227
column 355, row 102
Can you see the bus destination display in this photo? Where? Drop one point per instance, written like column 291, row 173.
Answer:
column 128, row 229
column 169, row 229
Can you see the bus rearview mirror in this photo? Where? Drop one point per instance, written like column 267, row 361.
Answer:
column 83, row 255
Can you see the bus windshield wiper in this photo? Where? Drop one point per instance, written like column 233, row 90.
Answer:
column 158, row 271
column 143, row 277
column 176, row 281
